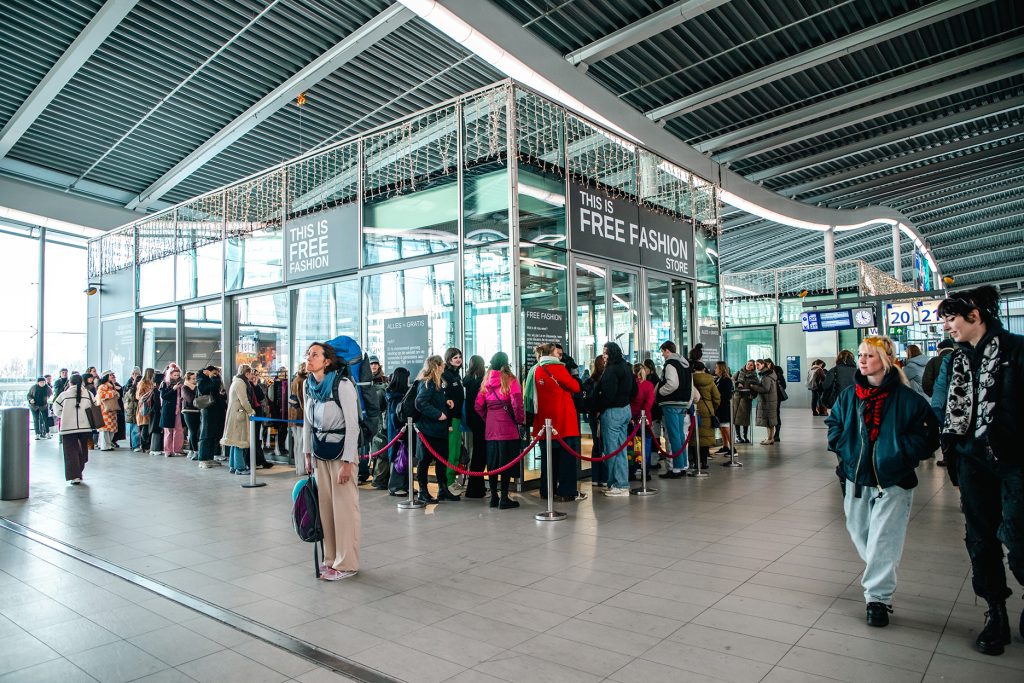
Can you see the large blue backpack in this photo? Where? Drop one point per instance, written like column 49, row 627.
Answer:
column 355, row 368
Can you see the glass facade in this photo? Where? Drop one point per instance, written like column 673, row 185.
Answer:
column 117, row 347
column 159, row 338
column 262, row 332
column 202, row 334
column 487, row 301
column 156, row 282
column 324, row 312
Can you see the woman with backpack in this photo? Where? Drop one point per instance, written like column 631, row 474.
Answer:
column 723, row 381
column 815, row 384
column 500, row 403
column 144, row 408
column 707, row 408
column 838, row 378
column 434, row 409
column 330, row 432
column 398, row 483
column 75, row 429
column 477, row 428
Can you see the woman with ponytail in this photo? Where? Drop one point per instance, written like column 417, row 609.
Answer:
column 880, row 429
column 74, row 427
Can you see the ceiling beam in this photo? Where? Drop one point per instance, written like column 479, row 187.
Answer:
column 323, row 66
column 1002, row 215
column 957, row 163
column 881, row 166
column 987, row 269
column 897, row 85
column 91, row 37
column 898, row 135
column 984, row 193
column 886, row 106
column 641, row 30
column 854, row 42
column 1014, row 233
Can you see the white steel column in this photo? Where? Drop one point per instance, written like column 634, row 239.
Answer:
column 897, row 258
column 830, row 257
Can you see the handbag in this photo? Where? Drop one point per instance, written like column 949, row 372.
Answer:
column 402, row 459
column 111, row 405
column 203, row 401
column 94, row 414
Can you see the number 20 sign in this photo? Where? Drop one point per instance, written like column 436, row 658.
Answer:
column 899, row 315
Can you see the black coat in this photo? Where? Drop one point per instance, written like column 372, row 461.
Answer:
column 617, row 385
column 211, row 425
column 474, row 422
column 169, row 406
column 453, row 391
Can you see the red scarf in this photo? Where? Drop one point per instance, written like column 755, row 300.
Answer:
column 874, row 403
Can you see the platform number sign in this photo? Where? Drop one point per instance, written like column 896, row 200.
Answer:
column 928, row 312
column 900, row 314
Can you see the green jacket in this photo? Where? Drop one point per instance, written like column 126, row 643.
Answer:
column 908, row 434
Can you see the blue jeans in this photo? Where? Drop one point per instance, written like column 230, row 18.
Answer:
column 237, row 459
column 674, row 419
column 133, row 434
column 878, row 528
column 614, row 430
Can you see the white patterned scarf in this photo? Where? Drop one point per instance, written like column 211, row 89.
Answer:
column 960, row 399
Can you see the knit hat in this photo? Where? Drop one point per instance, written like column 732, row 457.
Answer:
column 947, row 344
column 374, row 359
column 499, row 360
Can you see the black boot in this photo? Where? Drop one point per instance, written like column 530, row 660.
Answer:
column 507, row 503
column 423, row 496
column 996, row 632
column 444, row 494
column 878, row 614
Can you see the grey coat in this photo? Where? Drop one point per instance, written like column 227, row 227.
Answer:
column 767, row 400
column 914, row 370
column 742, row 400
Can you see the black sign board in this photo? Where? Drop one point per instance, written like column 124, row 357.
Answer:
column 322, row 243
column 617, row 228
column 406, row 343
column 711, row 338
column 542, row 326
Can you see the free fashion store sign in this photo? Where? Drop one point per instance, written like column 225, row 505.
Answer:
column 617, row 228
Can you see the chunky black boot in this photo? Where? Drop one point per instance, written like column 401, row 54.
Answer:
column 507, row 503
column 878, row 614
column 444, row 494
column 996, row 633
column 424, row 496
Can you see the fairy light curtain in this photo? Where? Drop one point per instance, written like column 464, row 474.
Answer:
column 412, row 154
column 156, row 237
column 112, row 252
column 200, row 222
column 323, row 181
column 539, row 132
column 485, row 136
column 595, row 155
column 255, row 204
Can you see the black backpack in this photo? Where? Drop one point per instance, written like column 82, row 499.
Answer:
column 407, row 408
column 306, row 518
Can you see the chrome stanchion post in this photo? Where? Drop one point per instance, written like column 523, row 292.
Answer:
column 550, row 515
column 411, row 503
column 732, row 437
column 252, row 483
column 697, row 471
column 642, row 490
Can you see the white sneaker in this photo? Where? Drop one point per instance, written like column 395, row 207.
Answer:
column 157, row 453
column 616, row 492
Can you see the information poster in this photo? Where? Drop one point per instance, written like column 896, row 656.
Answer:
column 792, row 369
column 405, row 343
column 322, row 243
column 542, row 326
column 711, row 338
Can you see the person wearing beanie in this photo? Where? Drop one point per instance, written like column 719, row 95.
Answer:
column 880, row 429
column 500, row 403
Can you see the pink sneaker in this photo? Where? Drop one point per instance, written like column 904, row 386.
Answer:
column 335, row 575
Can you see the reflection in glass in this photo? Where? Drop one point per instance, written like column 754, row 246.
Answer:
column 262, row 332
column 159, row 345
column 659, row 313
column 541, row 206
column 707, row 255
column 203, row 325
column 591, row 313
column 117, row 347
column 422, row 222
column 625, row 316
column 255, row 259
column 485, row 197
column 543, row 285
column 324, row 312
column 156, row 282
column 427, row 290
column 707, row 305
column 200, row 271
column 488, row 302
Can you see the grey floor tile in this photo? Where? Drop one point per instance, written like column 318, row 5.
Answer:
column 275, row 658
column 175, row 644
column 867, row 649
column 118, row 662
column 130, row 621
column 945, row 667
column 49, row 672
column 575, row 655
column 653, row 672
column 607, row 637
column 228, row 665
column 708, row 663
column 845, row 668
column 526, row 669
column 74, row 636
column 20, row 650
column 403, row 663
column 746, row 624
column 731, row 643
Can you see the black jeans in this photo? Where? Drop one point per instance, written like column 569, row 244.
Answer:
column 992, row 495
column 440, row 446
column 816, row 400
column 191, row 421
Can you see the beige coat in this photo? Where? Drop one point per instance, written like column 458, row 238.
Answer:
column 236, row 425
column 710, row 399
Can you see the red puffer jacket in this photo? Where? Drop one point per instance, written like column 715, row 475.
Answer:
column 555, row 387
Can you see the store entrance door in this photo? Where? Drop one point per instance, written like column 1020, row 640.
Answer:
column 668, row 315
column 607, row 309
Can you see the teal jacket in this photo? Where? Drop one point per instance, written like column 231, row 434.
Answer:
column 909, row 433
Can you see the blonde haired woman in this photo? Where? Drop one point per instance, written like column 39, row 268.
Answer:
column 433, row 425
column 880, row 429
column 236, row 426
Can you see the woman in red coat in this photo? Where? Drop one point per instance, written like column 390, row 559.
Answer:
column 548, row 392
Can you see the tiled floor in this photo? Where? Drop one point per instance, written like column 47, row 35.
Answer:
column 745, row 576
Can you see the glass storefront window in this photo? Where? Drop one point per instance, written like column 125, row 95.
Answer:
column 117, row 347
column 541, row 206
column 485, row 198
column 159, row 338
column 156, row 282
column 707, row 305
column 262, row 332
column 625, row 314
column 200, row 271
column 203, row 325
column 591, row 313
column 423, row 222
column 424, row 291
column 65, row 310
column 707, row 255
column 324, row 312
column 739, row 312
column 255, row 259
column 543, row 286
column 488, row 302
column 743, row 344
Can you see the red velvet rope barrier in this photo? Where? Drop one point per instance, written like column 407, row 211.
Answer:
column 470, row 473
column 665, row 454
column 603, row 457
column 389, row 444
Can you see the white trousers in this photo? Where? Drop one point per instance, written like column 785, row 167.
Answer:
column 878, row 529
